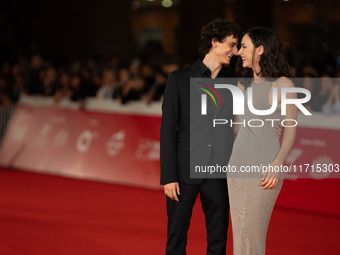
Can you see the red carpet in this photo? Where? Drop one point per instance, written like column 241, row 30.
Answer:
column 41, row 214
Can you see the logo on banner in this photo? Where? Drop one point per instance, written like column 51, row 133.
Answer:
column 116, row 143
column 148, row 149
column 294, row 154
column 61, row 138
column 41, row 139
column 20, row 133
column 319, row 162
column 85, row 139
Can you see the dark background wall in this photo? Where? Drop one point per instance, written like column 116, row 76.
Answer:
column 77, row 29
column 81, row 29
column 193, row 15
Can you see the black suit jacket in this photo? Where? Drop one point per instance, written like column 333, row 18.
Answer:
column 178, row 139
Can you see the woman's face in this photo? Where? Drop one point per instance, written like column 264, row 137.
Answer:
column 250, row 56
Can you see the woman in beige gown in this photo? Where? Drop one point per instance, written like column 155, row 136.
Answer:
column 252, row 195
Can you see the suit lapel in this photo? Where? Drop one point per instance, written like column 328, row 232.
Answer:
column 225, row 94
column 222, row 93
column 195, row 72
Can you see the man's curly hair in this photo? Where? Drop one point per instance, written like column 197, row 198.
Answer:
column 218, row 29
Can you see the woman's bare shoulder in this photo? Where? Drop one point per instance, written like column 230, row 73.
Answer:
column 283, row 82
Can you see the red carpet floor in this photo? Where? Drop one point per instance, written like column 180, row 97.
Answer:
column 41, row 214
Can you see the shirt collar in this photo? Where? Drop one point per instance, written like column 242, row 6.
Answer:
column 205, row 71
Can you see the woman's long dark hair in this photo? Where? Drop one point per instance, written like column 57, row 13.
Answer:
column 273, row 62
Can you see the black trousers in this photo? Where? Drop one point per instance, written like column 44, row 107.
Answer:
column 215, row 205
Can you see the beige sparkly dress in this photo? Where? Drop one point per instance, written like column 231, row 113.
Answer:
column 250, row 205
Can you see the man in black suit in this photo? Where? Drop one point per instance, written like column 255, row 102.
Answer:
column 218, row 45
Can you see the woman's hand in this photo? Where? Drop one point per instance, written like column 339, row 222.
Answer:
column 271, row 177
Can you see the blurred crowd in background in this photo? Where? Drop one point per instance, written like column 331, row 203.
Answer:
column 111, row 80
column 141, row 78
column 136, row 80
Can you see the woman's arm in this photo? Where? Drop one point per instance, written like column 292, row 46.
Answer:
column 270, row 179
column 236, row 118
column 236, row 128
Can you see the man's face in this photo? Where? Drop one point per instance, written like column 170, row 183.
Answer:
column 225, row 50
